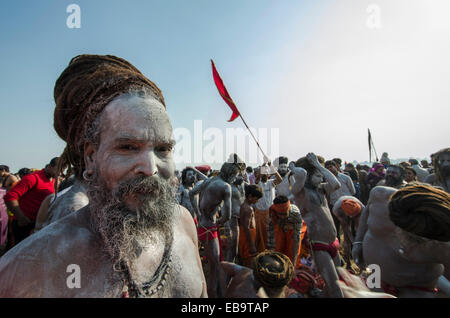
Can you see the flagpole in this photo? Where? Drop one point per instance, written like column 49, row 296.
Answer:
column 254, row 138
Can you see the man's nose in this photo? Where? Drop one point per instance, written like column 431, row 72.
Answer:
column 146, row 164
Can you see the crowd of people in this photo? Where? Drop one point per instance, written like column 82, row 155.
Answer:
column 114, row 205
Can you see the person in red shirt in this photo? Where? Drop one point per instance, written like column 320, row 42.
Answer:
column 25, row 198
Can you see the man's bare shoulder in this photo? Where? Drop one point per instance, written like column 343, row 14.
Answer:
column 381, row 193
column 186, row 221
column 42, row 259
column 60, row 235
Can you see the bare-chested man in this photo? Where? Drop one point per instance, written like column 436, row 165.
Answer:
column 214, row 192
column 132, row 240
column 188, row 178
column 394, row 178
column 348, row 209
column 232, row 226
column 247, row 237
column 410, row 264
column 310, row 196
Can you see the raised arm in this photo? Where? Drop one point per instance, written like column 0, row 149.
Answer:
column 274, row 172
column 199, row 174
column 299, row 175
column 196, row 190
column 330, row 179
column 226, row 211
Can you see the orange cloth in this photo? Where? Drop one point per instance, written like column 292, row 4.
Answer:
column 284, row 242
column 244, row 246
column 303, row 250
column 350, row 207
column 261, row 229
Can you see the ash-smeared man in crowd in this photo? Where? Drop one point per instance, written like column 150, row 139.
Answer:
column 405, row 232
column 132, row 240
column 232, row 226
column 347, row 188
column 188, row 178
column 394, row 178
column 215, row 191
column 310, row 196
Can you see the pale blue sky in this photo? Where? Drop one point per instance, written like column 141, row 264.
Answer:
column 312, row 69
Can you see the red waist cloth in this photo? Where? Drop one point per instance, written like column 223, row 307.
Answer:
column 206, row 234
column 389, row 289
column 331, row 248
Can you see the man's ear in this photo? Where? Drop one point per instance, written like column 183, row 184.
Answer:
column 89, row 157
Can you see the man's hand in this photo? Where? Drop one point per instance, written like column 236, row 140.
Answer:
column 353, row 287
column 312, row 158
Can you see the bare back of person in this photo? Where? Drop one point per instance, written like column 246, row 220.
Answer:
column 44, row 261
column 381, row 246
column 74, row 199
column 213, row 194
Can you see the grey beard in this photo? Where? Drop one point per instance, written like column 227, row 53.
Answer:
column 126, row 232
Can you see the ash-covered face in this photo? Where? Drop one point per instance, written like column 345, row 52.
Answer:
column 316, row 179
column 130, row 193
column 190, row 177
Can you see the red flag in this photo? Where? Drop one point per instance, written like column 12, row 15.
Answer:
column 224, row 93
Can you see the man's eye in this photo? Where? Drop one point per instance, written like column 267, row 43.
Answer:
column 128, row 147
column 164, row 149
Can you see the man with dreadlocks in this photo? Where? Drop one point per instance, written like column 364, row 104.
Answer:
column 273, row 271
column 215, row 191
column 406, row 233
column 132, row 239
column 441, row 175
column 310, row 196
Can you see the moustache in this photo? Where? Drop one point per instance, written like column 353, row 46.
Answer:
column 148, row 187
